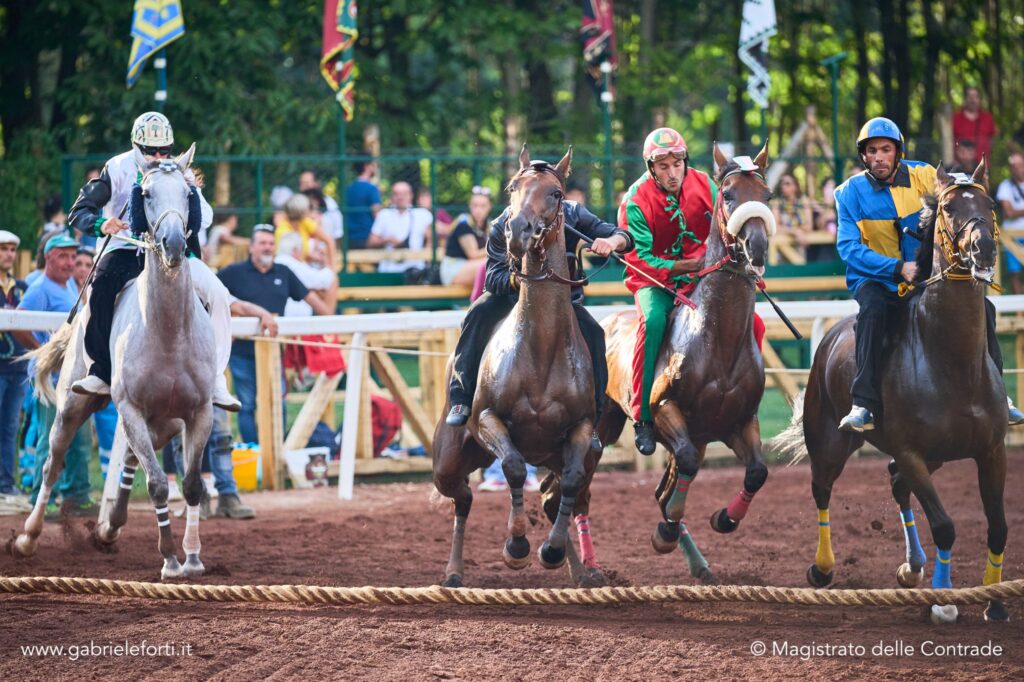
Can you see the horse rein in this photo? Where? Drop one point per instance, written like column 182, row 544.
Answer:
column 958, row 268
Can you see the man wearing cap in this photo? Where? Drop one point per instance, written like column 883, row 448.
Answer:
column 99, row 210
column 12, row 369
column 874, row 209
column 50, row 293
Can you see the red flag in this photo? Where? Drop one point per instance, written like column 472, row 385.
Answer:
column 337, row 59
column 597, row 31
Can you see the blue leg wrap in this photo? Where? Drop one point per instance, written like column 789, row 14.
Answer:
column 915, row 554
column 941, row 579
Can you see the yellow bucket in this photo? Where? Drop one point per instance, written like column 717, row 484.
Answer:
column 248, row 467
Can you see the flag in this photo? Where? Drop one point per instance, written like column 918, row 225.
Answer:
column 337, row 58
column 757, row 27
column 597, row 31
column 155, row 25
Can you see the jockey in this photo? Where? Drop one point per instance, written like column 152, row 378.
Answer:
column 668, row 213
column 99, row 210
column 874, row 208
column 501, row 295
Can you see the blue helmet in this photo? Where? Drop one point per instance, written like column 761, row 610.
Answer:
column 880, row 127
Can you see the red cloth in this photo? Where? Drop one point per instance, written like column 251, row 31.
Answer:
column 387, row 422
column 980, row 131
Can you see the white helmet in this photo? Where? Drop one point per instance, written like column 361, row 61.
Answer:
column 152, row 129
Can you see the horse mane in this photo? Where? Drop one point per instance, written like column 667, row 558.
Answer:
column 727, row 168
column 926, row 225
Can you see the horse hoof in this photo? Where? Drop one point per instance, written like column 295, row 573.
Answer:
column 591, row 578
column 706, row 577
column 105, row 535
column 818, row 579
column 171, row 569
column 193, row 566
column 551, row 557
column 453, row 581
column 996, row 612
column 906, row 576
column 665, row 537
column 24, row 546
column 721, row 523
column 944, row 615
column 516, row 553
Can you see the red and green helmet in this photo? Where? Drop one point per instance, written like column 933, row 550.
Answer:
column 664, row 142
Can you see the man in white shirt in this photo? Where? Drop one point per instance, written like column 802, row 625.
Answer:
column 401, row 226
column 289, row 254
column 1010, row 196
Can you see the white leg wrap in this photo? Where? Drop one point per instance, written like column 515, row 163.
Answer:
column 190, row 543
column 216, row 297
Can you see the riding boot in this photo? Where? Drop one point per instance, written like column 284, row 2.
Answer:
column 644, row 437
column 114, row 270
column 481, row 320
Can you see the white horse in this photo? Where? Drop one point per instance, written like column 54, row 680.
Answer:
column 163, row 373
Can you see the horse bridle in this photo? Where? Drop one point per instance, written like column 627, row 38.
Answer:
column 166, row 166
column 732, row 244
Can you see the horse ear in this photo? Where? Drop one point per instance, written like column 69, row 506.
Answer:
column 720, row 159
column 524, row 158
column 761, row 160
column 185, row 160
column 941, row 175
column 981, row 173
column 140, row 159
column 565, row 165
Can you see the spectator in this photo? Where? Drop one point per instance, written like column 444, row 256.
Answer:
column 576, row 193
column 963, row 158
column 83, row 266
column 279, row 195
column 299, row 219
column 56, row 218
column 975, row 124
column 793, row 212
column 465, row 250
column 13, row 371
column 40, row 259
column 442, row 218
column 261, row 281
column 50, row 293
column 93, row 174
column 331, row 221
column 1010, row 196
column 825, row 222
column 320, row 280
column 222, row 232
column 400, row 226
column 362, row 203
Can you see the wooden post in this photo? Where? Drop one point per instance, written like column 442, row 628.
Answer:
column 364, row 436
column 400, row 392
column 350, row 426
column 785, row 382
column 269, row 425
column 1019, row 365
column 322, row 394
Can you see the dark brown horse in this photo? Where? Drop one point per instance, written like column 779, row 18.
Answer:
column 710, row 375
column 535, row 397
column 938, row 382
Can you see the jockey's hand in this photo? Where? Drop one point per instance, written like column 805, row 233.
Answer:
column 113, row 226
column 686, row 265
column 268, row 325
column 909, row 271
column 604, row 246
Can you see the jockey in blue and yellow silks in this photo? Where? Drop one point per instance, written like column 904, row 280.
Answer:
column 874, row 208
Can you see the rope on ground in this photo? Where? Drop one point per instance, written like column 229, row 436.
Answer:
column 343, row 346
column 343, row 596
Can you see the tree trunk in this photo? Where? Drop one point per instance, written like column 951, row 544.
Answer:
column 863, row 65
column 934, row 35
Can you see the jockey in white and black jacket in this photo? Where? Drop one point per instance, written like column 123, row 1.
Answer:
column 100, row 209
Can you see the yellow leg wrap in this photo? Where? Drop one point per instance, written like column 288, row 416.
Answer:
column 824, row 559
column 993, row 569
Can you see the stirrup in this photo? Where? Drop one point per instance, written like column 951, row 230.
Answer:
column 91, row 385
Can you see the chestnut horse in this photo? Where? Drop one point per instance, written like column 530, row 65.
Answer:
column 938, row 383
column 535, row 395
column 710, row 374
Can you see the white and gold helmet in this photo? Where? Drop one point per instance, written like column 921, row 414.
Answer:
column 152, row 129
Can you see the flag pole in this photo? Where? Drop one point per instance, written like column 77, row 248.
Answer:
column 160, row 64
column 341, row 183
column 606, row 107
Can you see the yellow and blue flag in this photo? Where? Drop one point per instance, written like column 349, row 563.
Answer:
column 155, row 25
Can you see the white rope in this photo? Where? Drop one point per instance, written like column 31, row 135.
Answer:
column 345, row 346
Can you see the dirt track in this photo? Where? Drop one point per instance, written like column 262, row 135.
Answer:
column 391, row 535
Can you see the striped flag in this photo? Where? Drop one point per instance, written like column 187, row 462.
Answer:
column 757, row 27
column 337, row 56
column 597, row 31
column 155, row 25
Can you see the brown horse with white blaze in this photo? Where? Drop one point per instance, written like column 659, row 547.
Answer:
column 710, row 374
column 534, row 401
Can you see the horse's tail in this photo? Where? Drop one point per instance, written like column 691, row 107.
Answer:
column 49, row 357
column 791, row 441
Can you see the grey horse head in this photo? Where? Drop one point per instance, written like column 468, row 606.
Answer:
column 165, row 192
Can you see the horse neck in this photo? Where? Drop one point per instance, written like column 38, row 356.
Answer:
column 951, row 319
column 165, row 297
column 726, row 296
column 545, row 306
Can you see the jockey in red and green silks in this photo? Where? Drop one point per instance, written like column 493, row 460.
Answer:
column 668, row 213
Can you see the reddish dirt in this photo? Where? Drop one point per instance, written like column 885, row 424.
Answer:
column 392, row 535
